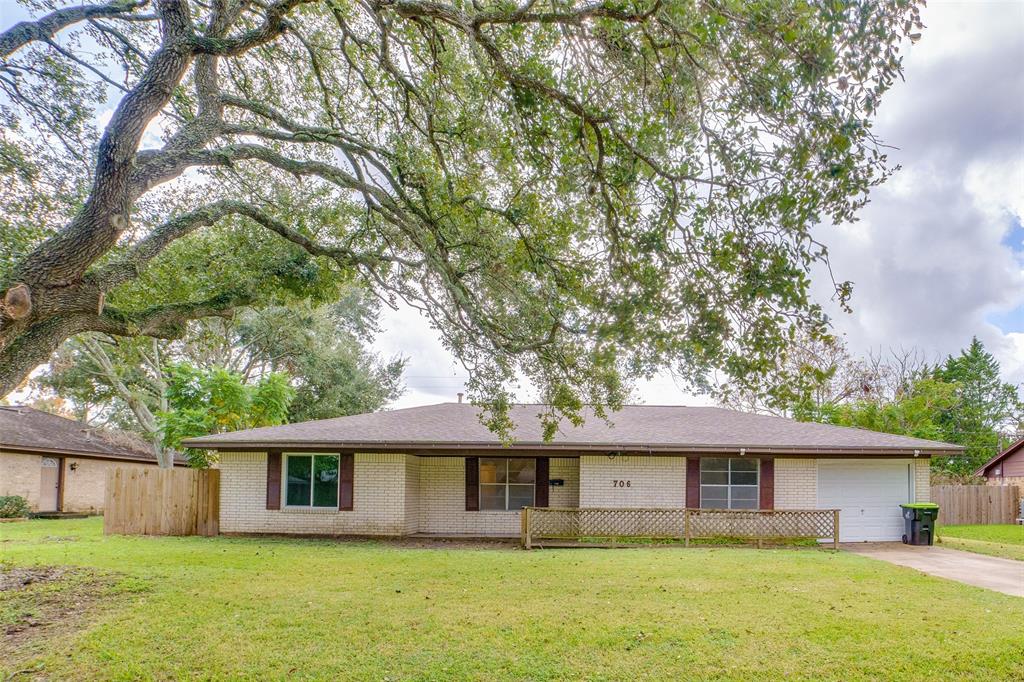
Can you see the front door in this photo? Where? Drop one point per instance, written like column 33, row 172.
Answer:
column 49, row 485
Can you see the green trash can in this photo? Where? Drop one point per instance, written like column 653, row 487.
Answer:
column 919, row 521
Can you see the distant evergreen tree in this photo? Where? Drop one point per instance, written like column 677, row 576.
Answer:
column 987, row 412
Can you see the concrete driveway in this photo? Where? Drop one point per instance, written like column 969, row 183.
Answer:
column 993, row 573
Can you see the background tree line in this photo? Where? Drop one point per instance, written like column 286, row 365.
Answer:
column 961, row 399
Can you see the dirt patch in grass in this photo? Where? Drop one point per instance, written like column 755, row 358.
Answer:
column 41, row 603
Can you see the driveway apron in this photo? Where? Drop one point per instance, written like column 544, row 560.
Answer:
column 993, row 573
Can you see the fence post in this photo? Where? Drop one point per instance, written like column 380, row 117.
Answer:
column 527, row 543
column 522, row 527
column 686, row 528
column 835, row 530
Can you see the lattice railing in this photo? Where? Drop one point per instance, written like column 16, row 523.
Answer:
column 568, row 524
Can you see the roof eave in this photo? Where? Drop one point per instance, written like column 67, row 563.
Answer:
column 85, row 454
column 1011, row 449
column 663, row 448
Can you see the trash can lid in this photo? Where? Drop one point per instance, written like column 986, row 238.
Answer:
column 920, row 505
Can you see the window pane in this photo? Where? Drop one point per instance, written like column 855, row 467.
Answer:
column 298, row 480
column 744, row 498
column 714, row 477
column 492, row 497
column 714, row 464
column 325, row 481
column 522, row 470
column 743, row 464
column 744, row 478
column 492, row 470
column 714, row 497
column 520, row 496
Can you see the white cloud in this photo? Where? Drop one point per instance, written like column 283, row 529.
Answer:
column 930, row 258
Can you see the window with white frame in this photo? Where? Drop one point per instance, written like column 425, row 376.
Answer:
column 729, row 483
column 507, row 483
column 311, row 480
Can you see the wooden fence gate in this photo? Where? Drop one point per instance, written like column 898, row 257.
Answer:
column 152, row 501
column 985, row 504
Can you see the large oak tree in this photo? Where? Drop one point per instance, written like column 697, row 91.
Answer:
column 579, row 192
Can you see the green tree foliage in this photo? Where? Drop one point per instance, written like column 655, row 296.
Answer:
column 988, row 409
column 320, row 350
column 579, row 193
column 921, row 411
column 217, row 400
column 126, row 382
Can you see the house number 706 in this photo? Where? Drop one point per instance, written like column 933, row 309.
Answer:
column 621, row 484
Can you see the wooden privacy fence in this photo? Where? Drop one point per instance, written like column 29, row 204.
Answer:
column 550, row 526
column 983, row 504
column 151, row 501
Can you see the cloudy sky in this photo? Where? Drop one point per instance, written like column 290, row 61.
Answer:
column 938, row 254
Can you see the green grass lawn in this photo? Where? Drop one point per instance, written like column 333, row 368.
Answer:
column 219, row 608
column 1003, row 540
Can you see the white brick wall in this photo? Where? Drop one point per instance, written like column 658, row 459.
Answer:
column 397, row 494
column 443, row 502
column 378, row 499
column 393, row 494
column 568, row 470
column 412, row 494
column 657, row 482
column 923, row 479
column 796, row 483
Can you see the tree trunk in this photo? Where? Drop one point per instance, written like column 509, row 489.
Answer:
column 143, row 415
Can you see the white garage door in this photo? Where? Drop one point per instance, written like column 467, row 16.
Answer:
column 868, row 494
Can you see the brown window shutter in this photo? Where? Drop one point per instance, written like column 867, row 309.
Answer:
column 768, row 483
column 346, row 479
column 273, row 480
column 692, row 483
column 543, row 487
column 472, row 484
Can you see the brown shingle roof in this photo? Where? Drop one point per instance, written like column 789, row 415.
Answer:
column 635, row 428
column 27, row 429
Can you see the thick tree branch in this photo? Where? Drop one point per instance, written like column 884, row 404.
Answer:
column 274, row 24
column 44, row 29
column 129, row 267
column 166, row 321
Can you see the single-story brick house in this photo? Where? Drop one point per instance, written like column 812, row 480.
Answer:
column 59, row 464
column 437, row 470
column 1006, row 468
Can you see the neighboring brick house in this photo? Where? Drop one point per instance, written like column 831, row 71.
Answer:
column 59, row 464
column 1006, row 468
column 437, row 470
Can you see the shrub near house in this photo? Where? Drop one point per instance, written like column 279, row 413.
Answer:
column 13, row 507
